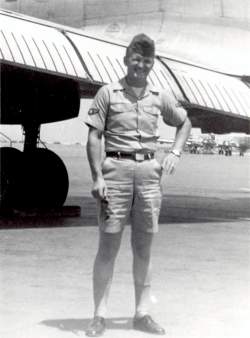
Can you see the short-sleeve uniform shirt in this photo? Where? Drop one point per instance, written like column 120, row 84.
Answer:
column 129, row 123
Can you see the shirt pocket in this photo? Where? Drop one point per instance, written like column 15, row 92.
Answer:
column 122, row 117
column 121, row 107
column 152, row 111
column 148, row 121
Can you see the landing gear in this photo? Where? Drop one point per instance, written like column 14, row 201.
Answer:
column 42, row 181
column 228, row 152
column 34, row 178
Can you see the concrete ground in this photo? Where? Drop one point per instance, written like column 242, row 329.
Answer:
column 200, row 255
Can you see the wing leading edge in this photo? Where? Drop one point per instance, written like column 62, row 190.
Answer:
column 36, row 53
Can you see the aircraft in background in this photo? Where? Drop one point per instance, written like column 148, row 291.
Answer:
column 240, row 143
column 207, row 144
column 195, row 144
column 226, row 148
column 204, row 144
column 46, row 68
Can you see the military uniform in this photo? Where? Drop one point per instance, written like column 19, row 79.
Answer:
column 128, row 181
column 130, row 127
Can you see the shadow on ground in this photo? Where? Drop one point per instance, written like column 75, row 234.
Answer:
column 75, row 325
column 175, row 209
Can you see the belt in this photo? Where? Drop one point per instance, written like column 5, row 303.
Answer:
column 132, row 156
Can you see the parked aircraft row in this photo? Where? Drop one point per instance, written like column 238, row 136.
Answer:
column 209, row 143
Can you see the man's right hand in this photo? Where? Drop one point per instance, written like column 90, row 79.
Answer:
column 99, row 189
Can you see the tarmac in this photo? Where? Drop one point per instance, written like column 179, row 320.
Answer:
column 200, row 257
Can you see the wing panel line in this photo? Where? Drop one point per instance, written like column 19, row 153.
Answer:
column 244, row 99
column 157, row 78
column 18, row 48
column 121, row 67
column 207, row 94
column 168, row 84
column 225, row 101
column 199, row 92
column 239, row 102
column 70, row 60
column 60, row 58
column 231, row 100
column 50, row 55
column 113, row 68
column 8, row 46
column 104, row 67
column 183, row 77
column 82, row 62
column 29, row 51
column 215, row 95
column 96, row 67
column 31, row 45
column 151, row 79
column 40, row 53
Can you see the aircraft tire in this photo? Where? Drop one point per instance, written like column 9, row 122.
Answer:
column 10, row 159
column 43, row 182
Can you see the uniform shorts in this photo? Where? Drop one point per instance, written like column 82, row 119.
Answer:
column 134, row 190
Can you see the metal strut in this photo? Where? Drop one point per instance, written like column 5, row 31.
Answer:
column 32, row 136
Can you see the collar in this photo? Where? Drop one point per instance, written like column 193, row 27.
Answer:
column 123, row 85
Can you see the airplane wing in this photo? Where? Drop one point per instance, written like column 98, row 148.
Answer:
column 39, row 54
column 216, row 102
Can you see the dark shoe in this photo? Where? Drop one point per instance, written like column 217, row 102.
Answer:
column 146, row 324
column 96, row 327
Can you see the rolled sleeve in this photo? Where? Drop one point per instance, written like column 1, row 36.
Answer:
column 173, row 113
column 97, row 113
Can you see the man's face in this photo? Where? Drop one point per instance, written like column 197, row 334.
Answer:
column 138, row 65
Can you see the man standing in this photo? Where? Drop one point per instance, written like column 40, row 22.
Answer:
column 127, row 183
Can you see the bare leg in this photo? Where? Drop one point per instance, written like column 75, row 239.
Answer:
column 142, row 270
column 109, row 245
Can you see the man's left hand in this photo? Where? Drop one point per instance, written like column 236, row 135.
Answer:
column 169, row 163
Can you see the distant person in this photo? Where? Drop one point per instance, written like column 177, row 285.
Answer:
column 127, row 182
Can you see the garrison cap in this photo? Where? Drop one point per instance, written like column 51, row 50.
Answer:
column 143, row 45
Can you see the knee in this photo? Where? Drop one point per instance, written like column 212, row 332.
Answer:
column 109, row 245
column 141, row 251
column 108, row 251
column 107, row 254
column 141, row 245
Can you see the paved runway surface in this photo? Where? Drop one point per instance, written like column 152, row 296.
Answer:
column 201, row 258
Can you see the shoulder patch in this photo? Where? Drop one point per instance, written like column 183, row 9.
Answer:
column 93, row 111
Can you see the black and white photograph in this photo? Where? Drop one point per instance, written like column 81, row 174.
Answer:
column 125, row 168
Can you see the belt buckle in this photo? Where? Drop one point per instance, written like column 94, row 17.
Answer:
column 139, row 157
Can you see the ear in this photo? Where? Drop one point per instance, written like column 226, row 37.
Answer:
column 125, row 61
